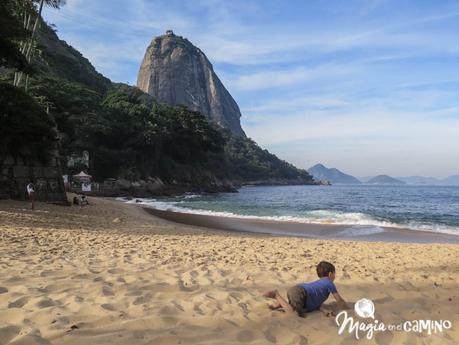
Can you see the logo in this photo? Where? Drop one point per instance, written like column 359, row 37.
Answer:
column 365, row 308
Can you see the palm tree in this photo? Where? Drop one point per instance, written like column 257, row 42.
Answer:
column 27, row 47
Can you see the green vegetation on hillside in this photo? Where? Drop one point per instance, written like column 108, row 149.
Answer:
column 26, row 130
column 130, row 135
column 60, row 60
column 11, row 31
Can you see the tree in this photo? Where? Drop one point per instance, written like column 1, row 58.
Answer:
column 26, row 130
column 11, row 33
column 29, row 10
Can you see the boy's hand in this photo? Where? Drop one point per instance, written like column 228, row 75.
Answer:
column 343, row 305
column 341, row 302
column 327, row 312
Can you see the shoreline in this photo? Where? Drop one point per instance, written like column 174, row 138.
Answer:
column 305, row 230
column 113, row 274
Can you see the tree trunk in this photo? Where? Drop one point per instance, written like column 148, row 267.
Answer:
column 23, row 46
column 26, row 83
column 28, row 54
column 34, row 31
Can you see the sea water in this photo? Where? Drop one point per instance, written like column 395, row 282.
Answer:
column 369, row 207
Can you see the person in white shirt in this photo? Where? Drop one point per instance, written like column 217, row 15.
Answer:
column 31, row 191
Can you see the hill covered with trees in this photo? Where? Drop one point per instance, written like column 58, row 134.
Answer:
column 128, row 134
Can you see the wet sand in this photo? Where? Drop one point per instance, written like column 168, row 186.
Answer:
column 112, row 273
column 308, row 230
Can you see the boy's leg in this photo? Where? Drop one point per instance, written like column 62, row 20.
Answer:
column 297, row 299
column 275, row 306
column 283, row 303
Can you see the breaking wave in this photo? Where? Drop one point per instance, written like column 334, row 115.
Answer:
column 364, row 224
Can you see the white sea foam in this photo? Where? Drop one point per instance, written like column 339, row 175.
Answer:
column 134, row 200
column 191, row 196
column 365, row 224
column 360, row 231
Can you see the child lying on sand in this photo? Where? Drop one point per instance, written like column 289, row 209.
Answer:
column 307, row 297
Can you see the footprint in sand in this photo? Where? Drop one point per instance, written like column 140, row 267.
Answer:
column 198, row 310
column 14, row 279
column 187, row 286
column 383, row 300
column 108, row 306
column 231, row 322
column 178, row 306
column 8, row 333
column 107, row 291
column 300, row 340
column 81, row 276
column 45, row 303
column 244, row 308
column 46, row 273
column 142, row 299
column 167, row 310
column 236, row 296
column 19, row 303
column 270, row 337
column 134, row 292
column 245, row 336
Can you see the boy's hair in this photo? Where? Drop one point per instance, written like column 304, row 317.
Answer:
column 324, row 268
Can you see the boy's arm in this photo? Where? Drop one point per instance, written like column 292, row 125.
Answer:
column 341, row 302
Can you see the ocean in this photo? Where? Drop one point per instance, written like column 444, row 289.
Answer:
column 368, row 208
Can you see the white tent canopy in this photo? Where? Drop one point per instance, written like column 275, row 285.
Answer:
column 82, row 175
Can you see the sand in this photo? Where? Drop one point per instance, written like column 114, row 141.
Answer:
column 111, row 273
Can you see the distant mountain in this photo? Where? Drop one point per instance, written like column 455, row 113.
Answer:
column 320, row 172
column 365, row 179
column 384, row 179
column 419, row 180
column 451, row 180
column 431, row 181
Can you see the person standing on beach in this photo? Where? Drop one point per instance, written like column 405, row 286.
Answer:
column 31, row 191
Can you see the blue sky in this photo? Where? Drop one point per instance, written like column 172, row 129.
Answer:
column 369, row 87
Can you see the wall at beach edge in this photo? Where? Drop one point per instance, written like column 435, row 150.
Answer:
column 47, row 178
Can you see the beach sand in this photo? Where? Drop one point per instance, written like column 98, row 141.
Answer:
column 111, row 273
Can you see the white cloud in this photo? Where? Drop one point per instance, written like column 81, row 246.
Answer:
column 278, row 78
column 294, row 104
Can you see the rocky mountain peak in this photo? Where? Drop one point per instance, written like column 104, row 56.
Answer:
column 174, row 71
